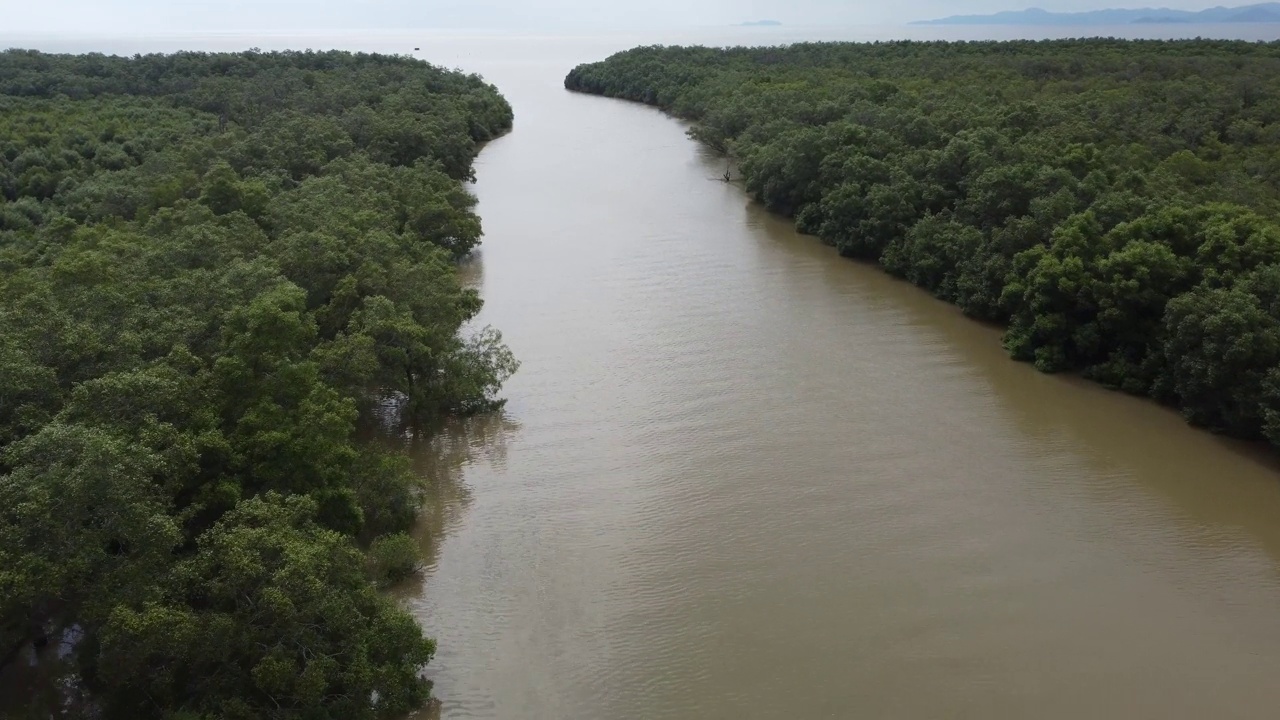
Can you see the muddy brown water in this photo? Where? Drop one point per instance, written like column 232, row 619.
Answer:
column 739, row 477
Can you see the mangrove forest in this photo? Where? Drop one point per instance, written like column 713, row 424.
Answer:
column 217, row 272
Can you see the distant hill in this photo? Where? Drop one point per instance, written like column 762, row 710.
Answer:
column 762, row 23
column 1261, row 13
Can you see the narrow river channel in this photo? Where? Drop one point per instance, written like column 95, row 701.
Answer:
column 739, row 477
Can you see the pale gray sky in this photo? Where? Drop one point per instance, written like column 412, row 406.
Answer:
column 183, row 16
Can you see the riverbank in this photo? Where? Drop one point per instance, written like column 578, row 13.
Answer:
column 1114, row 258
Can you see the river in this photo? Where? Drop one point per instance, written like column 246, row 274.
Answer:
column 739, row 477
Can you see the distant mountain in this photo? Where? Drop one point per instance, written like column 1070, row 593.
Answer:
column 762, row 23
column 1261, row 13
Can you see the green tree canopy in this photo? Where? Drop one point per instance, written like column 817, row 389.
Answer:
column 211, row 265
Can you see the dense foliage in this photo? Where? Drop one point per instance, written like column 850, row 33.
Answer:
column 1113, row 202
column 211, row 265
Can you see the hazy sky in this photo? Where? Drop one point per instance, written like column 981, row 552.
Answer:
column 150, row 16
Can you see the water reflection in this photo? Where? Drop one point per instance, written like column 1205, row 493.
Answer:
column 441, row 458
column 1220, row 486
column 1130, row 440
